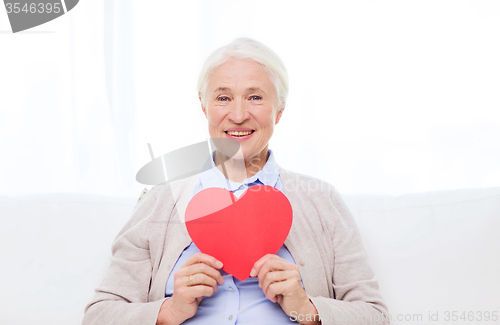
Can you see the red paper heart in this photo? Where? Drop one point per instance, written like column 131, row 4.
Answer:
column 238, row 232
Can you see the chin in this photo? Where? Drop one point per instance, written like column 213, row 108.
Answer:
column 239, row 155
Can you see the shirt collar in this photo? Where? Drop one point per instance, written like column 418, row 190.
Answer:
column 268, row 175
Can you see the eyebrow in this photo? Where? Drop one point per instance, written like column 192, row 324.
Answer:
column 229, row 89
column 257, row 89
column 221, row 89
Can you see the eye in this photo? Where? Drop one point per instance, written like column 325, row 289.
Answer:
column 223, row 99
column 255, row 97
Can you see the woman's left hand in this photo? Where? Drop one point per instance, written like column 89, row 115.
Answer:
column 280, row 282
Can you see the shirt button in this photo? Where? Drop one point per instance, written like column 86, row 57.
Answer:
column 230, row 288
column 302, row 263
column 230, row 317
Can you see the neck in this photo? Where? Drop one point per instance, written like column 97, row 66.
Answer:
column 237, row 170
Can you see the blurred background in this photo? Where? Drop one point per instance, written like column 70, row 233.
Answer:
column 386, row 97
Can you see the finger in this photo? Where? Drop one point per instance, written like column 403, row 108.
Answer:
column 204, row 258
column 277, row 289
column 190, row 294
column 279, row 276
column 182, row 276
column 201, row 279
column 190, row 268
column 258, row 265
column 275, row 264
column 202, row 291
column 207, row 270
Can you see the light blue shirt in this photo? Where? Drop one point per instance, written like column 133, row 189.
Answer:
column 236, row 302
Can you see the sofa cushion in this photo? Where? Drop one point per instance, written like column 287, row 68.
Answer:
column 432, row 252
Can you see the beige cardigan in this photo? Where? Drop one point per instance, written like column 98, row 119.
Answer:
column 324, row 241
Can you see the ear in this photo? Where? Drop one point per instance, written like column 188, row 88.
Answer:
column 202, row 105
column 278, row 116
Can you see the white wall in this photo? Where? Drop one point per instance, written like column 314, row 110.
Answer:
column 386, row 97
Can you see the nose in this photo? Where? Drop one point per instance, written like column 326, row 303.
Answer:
column 239, row 112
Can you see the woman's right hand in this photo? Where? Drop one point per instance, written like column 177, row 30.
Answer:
column 195, row 279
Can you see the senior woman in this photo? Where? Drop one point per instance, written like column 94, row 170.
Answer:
column 320, row 275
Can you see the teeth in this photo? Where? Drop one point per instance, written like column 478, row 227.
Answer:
column 239, row 133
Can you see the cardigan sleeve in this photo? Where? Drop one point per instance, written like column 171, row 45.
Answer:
column 357, row 299
column 122, row 297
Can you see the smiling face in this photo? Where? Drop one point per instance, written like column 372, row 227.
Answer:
column 241, row 103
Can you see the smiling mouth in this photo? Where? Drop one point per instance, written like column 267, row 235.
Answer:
column 239, row 133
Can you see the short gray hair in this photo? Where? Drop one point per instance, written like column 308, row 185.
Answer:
column 247, row 49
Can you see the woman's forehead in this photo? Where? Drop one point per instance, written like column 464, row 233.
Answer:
column 238, row 73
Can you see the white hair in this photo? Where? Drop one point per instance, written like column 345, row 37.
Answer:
column 247, row 49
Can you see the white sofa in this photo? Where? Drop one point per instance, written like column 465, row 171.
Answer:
column 433, row 252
